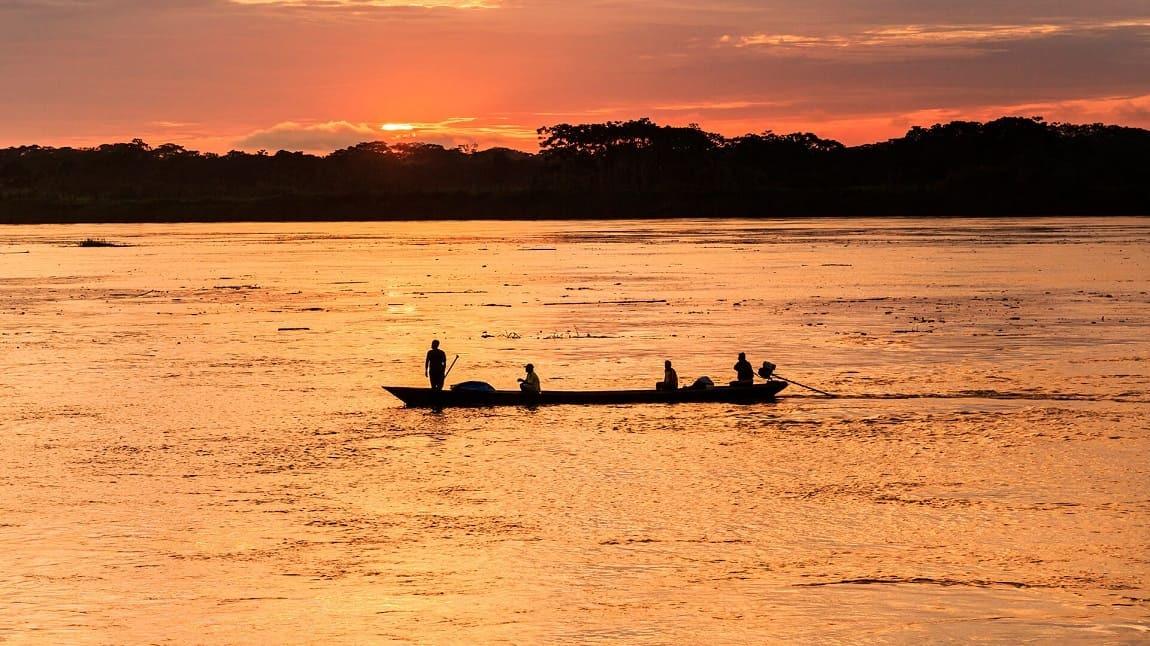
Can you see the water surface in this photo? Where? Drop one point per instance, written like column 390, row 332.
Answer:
column 197, row 448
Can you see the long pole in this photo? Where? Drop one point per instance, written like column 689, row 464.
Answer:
column 789, row 381
column 451, row 366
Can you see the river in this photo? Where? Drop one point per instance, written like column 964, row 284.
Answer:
column 197, row 448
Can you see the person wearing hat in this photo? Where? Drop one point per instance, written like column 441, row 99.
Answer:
column 530, row 383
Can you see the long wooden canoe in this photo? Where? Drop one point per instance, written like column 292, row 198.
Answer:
column 428, row 398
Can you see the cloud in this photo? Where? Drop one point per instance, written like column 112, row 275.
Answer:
column 865, row 126
column 332, row 135
column 717, row 106
column 310, row 137
column 1106, row 109
column 330, row 73
column 925, row 40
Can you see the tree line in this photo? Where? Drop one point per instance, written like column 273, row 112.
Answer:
column 638, row 168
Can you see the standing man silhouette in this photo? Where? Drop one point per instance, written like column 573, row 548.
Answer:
column 435, row 366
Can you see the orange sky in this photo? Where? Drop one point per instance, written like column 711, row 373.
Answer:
column 317, row 75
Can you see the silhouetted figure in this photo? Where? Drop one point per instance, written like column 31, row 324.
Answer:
column 745, row 371
column 766, row 370
column 530, row 383
column 435, row 366
column 670, row 378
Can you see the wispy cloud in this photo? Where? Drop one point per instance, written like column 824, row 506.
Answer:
column 173, row 124
column 1105, row 109
column 311, row 137
column 324, row 137
column 869, row 126
column 926, row 39
column 717, row 106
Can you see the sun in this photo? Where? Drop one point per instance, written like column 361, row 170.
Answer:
column 397, row 127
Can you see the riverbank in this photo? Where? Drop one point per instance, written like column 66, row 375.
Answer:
column 553, row 205
column 1007, row 167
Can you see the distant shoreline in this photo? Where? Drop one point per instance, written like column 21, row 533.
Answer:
column 1010, row 167
column 432, row 208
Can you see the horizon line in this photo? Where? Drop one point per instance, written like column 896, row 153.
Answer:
column 413, row 140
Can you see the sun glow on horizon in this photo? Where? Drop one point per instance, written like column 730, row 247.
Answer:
column 397, row 127
column 372, row 4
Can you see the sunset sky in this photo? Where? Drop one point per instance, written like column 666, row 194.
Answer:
column 316, row 75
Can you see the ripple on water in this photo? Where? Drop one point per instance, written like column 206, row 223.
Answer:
column 171, row 453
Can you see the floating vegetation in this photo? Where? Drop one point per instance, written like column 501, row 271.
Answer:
column 576, row 335
column 627, row 302
column 504, row 335
column 99, row 242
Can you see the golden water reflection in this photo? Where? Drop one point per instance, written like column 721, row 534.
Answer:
column 197, row 447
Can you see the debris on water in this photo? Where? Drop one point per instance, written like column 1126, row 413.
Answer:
column 504, row 335
column 575, row 335
column 99, row 242
column 495, row 305
column 294, row 329
column 632, row 302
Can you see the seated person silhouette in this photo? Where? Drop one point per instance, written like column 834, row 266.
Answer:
column 530, row 383
column 745, row 372
column 670, row 378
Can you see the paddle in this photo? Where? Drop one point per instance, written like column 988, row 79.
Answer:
column 821, row 392
column 451, row 366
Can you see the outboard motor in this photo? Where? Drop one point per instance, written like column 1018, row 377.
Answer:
column 766, row 370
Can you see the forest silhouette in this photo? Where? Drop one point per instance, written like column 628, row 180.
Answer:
column 1010, row 166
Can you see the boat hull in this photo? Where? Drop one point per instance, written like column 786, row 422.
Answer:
column 428, row 398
